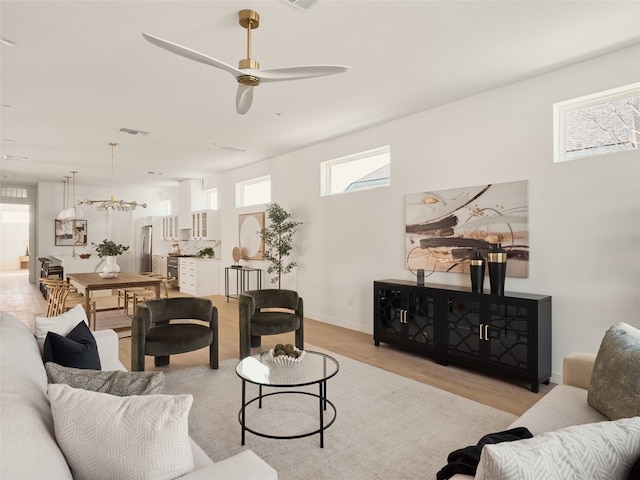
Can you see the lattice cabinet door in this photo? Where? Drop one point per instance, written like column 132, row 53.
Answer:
column 509, row 336
column 419, row 323
column 388, row 316
column 465, row 329
column 405, row 316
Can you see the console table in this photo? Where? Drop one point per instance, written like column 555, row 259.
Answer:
column 506, row 334
column 243, row 280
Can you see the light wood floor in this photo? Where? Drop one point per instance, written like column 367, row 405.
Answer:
column 24, row 300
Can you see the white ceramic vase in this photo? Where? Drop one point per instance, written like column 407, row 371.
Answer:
column 111, row 267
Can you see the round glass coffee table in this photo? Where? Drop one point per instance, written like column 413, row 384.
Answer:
column 315, row 368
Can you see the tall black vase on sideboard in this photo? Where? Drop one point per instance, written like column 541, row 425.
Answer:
column 508, row 334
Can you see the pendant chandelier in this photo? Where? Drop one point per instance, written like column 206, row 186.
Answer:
column 74, row 213
column 65, row 199
column 112, row 203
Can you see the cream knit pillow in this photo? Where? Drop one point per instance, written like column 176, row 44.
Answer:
column 104, row 436
column 595, row 451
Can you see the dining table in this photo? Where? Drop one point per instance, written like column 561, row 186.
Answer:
column 88, row 282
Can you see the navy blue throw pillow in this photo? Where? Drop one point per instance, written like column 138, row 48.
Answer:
column 77, row 350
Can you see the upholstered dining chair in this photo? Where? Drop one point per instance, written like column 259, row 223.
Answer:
column 164, row 327
column 269, row 312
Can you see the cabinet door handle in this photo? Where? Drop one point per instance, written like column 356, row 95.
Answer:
column 484, row 331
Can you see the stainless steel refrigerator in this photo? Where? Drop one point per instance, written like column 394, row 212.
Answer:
column 146, row 264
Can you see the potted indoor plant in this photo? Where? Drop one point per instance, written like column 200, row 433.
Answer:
column 206, row 253
column 278, row 241
column 110, row 250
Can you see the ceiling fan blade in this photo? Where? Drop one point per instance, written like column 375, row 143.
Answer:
column 297, row 73
column 244, row 97
column 193, row 55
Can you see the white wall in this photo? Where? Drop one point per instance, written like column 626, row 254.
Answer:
column 584, row 215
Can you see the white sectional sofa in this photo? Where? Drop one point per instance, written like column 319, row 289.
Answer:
column 568, row 433
column 28, row 447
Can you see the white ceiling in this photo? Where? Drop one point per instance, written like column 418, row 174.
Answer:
column 81, row 70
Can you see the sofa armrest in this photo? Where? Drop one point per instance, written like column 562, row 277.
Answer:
column 108, row 349
column 245, row 465
column 577, row 368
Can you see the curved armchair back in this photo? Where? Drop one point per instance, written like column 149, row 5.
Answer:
column 162, row 310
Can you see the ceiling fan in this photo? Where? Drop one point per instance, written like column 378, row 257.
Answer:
column 248, row 74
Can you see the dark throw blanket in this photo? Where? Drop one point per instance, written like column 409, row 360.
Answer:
column 465, row 460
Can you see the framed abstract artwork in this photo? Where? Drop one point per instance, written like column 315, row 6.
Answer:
column 250, row 241
column 444, row 229
column 71, row 232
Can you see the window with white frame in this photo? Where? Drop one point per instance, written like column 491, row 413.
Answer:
column 360, row 171
column 253, row 192
column 212, row 199
column 603, row 123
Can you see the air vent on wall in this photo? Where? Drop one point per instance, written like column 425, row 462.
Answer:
column 130, row 131
column 231, row 148
column 303, row 5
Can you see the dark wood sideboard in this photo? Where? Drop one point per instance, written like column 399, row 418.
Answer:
column 508, row 334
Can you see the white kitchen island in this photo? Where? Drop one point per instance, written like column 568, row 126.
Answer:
column 79, row 265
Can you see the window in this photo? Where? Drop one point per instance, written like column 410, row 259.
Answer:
column 212, row 199
column 14, row 192
column 599, row 124
column 253, row 192
column 364, row 170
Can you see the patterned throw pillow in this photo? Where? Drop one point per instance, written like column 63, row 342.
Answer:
column 105, row 437
column 602, row 451
column 78, row 349
column 615, row 382
column 118, row 383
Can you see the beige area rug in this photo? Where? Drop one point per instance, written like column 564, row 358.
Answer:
column 387, row 426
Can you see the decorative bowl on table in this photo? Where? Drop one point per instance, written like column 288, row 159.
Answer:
column 85, row 255
column 286, row 358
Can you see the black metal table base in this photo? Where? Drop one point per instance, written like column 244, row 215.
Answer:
column 323, row 402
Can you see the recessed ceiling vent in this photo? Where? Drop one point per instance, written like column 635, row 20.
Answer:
column 231, row 148
column 303, row 5
column 19, row 158
column 134, row 132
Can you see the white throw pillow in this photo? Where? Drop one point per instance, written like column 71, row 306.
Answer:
column 62, row 324
column 597, row 451
column 104, row 436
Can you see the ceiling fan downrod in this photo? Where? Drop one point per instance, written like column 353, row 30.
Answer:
column 250, row 20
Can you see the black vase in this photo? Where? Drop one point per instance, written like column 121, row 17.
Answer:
column 497, row 262
column 476, row 269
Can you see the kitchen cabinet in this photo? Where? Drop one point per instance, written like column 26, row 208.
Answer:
column 205, row 225
column 170, row 227
column 506, row 334
column 199, row 276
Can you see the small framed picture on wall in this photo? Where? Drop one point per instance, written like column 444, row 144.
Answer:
column 71, row 232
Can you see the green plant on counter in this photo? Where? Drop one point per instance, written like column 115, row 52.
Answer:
column 107, row 248
column 206, row 253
